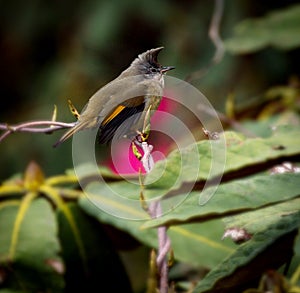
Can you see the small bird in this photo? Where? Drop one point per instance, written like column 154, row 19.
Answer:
column 125, row 104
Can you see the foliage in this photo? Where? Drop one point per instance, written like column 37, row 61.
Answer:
column 236, row 230
column 54, row 250
column 265, row 207
column 279, row 29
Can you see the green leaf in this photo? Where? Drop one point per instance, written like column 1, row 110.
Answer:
column 239, row 151
column 101, row 260
column 61, row 205
column 115, row 203
column 30, row 253
column 269, row 248
column 258, row 220
column 202, row 240
column 235, row 196
column 100, row 198
column 263, row 129
column 119, row 198
column 24, row 205
column 200, row 244
column 280, row 29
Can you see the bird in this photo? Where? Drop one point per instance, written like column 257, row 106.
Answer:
column 125, row 104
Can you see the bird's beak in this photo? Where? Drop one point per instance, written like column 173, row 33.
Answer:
column 164, row 69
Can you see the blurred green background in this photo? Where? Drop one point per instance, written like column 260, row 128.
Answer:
column 51, row 51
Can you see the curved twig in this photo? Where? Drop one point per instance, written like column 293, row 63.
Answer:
column 34, row 127
column 214, row 31
column 214, row 35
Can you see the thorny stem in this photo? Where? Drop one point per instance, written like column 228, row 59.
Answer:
column 155, row 211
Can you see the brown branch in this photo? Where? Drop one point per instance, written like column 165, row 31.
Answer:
column 214, row 35
column 214, row 31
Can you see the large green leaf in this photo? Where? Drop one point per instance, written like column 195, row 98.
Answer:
column 200, row 162
column 29, row 248
column 253, row 257
column 233, row 197
column 199, row 244
column 101, row 265
column 240, row 152
column 98, row 198
column 280, row 29
column 257, row 220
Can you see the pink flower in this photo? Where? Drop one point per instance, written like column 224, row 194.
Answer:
column 123, row 161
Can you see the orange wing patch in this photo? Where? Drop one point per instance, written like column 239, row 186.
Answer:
column 113, row 114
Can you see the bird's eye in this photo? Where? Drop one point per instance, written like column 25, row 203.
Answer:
column 153, row 70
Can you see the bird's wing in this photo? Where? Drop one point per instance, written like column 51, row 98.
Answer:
column 120, row 122
column 125, row 92
column 123, row 114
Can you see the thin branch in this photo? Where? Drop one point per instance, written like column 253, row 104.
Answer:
column 214, row 31
column 34, row 127
column 214, row 35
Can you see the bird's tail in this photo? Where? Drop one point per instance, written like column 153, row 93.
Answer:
column 69, row 133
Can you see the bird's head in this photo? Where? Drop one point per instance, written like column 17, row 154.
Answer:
column 147, row 64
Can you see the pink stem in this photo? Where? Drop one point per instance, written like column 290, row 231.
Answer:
column 155, row 211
